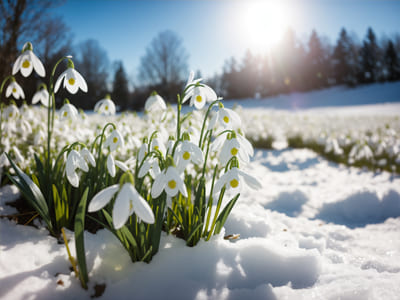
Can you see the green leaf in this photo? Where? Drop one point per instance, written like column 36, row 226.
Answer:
column 198, row 227
column 224, row 214
column 79, row 239
column 32, row 193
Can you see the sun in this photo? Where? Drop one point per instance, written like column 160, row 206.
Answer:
column 263, row 24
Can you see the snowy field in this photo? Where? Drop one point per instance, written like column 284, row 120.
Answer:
column 316, row 230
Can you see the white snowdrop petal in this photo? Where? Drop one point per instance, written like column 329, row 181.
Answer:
column 111, row 165
column 141, row 207
column 102, row 198
column 59, row 80
column 158, row 185
column 17, row 65
column 251, row 181
column 121, row 165
column 120, row 213
column 81, row 81
column 144, row 169
column 73, row 178
column 38, row 66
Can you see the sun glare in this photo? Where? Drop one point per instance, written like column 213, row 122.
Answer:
column 264, row 23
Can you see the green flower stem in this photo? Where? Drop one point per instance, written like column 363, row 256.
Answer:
column 210, row 201
column 205, row 119
column 178, row 121
column 221, row 196
column 1, row 104
column 207, row 151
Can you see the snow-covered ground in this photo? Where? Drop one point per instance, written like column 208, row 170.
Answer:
column 316, row 230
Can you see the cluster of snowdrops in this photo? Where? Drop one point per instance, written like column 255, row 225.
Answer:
column 361, row 140
column 169, row 171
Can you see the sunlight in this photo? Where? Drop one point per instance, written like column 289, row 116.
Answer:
column 264, row 23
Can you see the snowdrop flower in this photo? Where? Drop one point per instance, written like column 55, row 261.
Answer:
column 72, row 80
column 128, row 201
column 68, row 111
column 233, row 179
column 198, row 94
column 27, row 61
column 105, row 106
column 114, row 140
column 150, row 166
column 142, row 152
column 232, row 147
column 41, row 96
column 88, row 156
column 111, row 163
column 75, row 161
column 228, row 118
column 155, row 103
column 170, row 181
column 15, row 89
column 333, row 145
column 187, row 152
column 156, row 144
column 10, row 112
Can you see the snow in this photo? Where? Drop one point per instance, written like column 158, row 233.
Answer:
column 316, row 230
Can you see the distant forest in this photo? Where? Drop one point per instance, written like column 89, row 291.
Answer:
column 293, row 65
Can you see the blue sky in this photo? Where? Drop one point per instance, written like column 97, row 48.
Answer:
column 214, row 30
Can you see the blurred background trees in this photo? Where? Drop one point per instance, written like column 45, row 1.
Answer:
column 293, row 65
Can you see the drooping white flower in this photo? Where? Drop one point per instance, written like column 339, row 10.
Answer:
column 198, row 94
column 68, row 111
column 232, row 147
column 75, row 161
column 15, row 89
column 128, row 201
column 187, row 152
column 10, row 112
column 72, row 80
column 88, row 156
column 114, row 140
column 150, row 166
column 27, row 61
column 41, row 96
column 155, row 103
column 157, row 144
column 111, row 165
column 105, row 106
column 233, row 180
column 228, row 118
column 170, row 181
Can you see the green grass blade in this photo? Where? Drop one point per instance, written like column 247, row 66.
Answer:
column 79, row 239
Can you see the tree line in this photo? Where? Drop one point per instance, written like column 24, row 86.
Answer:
column 290, row 66
column 294, row 66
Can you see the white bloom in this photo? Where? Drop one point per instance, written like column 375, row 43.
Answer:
column 111, row 165
column 155, row 103
column 88, row 156
column 142, row 152
column 151, row 166
column 72, row 81
column 232, row 147
column 157, row 144
column 68, row 111
column 27, row 61
column 187, row 152
column 75, row 161
column 114, row 140
column 105, row 107
column 200, row 94
column 128, row 201
column 15, row 89
column 227, row 118
column 170, row 181
column 10, row 112
column 41, row 96
column 232, row 180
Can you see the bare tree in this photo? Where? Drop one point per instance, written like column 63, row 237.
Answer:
column 165, row 63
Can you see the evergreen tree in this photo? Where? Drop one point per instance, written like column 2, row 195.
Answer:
column 370, row 58
column 317, row 63
column 391, row 61
column 120, row 93
column 249, row 74
column 345, row 60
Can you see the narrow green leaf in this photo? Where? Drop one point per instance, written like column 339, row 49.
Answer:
column 224, row 214
column 198, row 227
column 79, row 239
